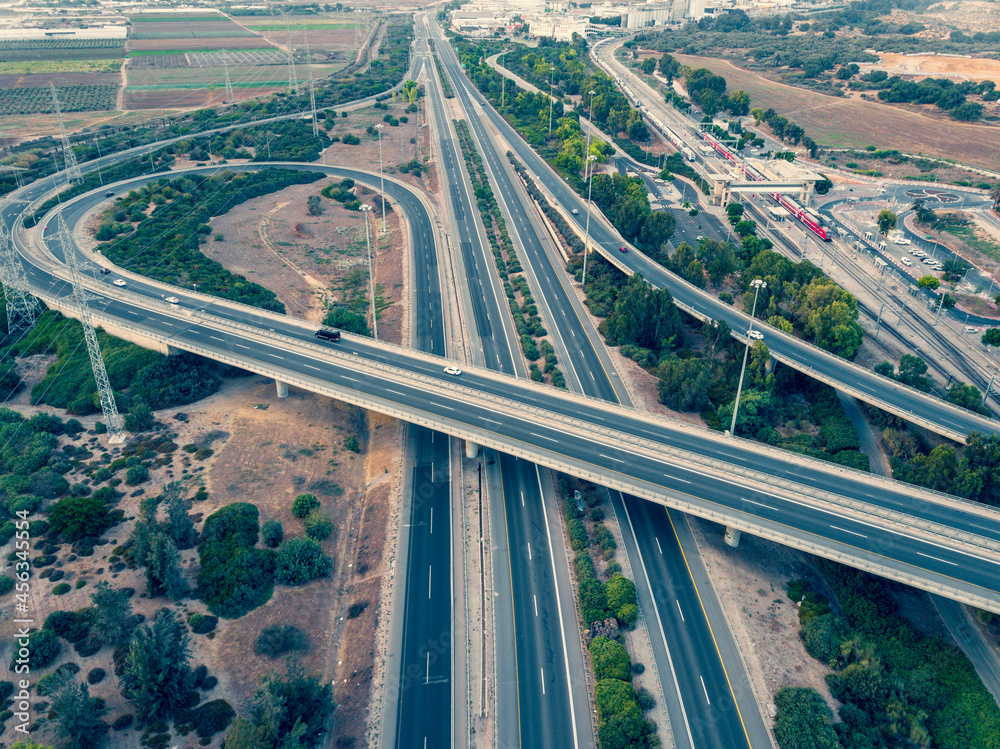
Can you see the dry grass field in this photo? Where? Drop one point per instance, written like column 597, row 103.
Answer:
column 853, row 123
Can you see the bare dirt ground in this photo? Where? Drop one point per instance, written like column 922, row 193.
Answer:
column 27, row 127
column 963, row 68
column 852, row 123
column 273, row 241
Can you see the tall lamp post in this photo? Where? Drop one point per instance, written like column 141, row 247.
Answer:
column 590, row 188
column 380, row 175
column 758, row 284
column 503, row 84
column 371, row 269
column 591, row 119
column 552, row 69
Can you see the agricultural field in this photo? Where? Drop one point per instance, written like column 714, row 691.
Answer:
column 50, row 67
column 335, row 40
column 854, row 123
column 189, row 98
column 38, row 100
column 174, row 33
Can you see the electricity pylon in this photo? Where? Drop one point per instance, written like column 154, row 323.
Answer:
column 104, row 391
column 22, row 308
column 73, row 174
column 312, row 84
column 230, row 99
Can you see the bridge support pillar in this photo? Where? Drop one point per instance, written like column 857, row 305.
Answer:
column 732, row 537
column 769, row 366
column 471, row 449
column 282, row 388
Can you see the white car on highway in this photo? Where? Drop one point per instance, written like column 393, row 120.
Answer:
column 118, row 282
column 173, row 300
column 452, row 371
column 756, row 335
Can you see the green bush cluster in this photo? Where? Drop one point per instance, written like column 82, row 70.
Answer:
column 165, row 246
column 235, row 577
column 893, row 681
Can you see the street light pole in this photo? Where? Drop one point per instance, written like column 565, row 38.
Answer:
column 371, row 270
column 503, row 84
column 380, row 174
column 552, row 69
column 758, row 284
column 590, row 188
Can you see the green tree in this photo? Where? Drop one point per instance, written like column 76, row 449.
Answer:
column 886, row 221
column 180, row 527
column 966, row 396
column 803, row 720
column 163, row 568
column 620, row 592
column 244, row 734
column 314, row 205
column 78, row 517
column 301, row 560
column 78, row 715
column 928, row 282
column 157, row 678
column 684, row 383
column 648, row 65
column 621, row 724
column 738, row 102
column 272, row 534
column 913, row 372
column 304, row 505
column 140, row 418
column 112, row 613
column 830, row 314
column 611, row 660
column 758, row 115
column 991, row 337
column 643, row 316
column 283, row 704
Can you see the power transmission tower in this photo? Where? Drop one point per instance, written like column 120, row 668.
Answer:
column 312, row 84
column 73, row 174
column 22, row 308
column 293, row 82
column 230, row 99
column 104, row 391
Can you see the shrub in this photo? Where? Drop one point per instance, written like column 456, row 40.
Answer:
column 611, row 660
column 95, row 676
column 234, row 577
column 61, row 589
column 74, row 518
column 44, row 647
column 136, row 475
column 803, row 720
column 351, row 444
column 272, row 533
column 304, row 505
column 318, row 526
column 645, row 699
column 72, row 626
column 208, row 719
column 6, row 584
column 301, row 560
column 209, row 684
column 122, row 722
column 621, row 593
column 281, row 639
column 202, row 624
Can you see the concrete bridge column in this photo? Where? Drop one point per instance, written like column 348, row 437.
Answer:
column 471, row 449
column 282, row 388
column 769, row 366
column 732, row 537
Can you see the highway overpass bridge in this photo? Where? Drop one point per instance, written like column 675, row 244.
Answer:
column 932, row 541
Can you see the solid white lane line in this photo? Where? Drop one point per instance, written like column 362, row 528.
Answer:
column 430, row 572
column 536, row 604
column 674, row 478
column 311, row 367
column 543, row 680
column 761, row 504
column 492, row 421
column 529, row 551
column 705, row 690
column 681, row 613
column 937, row 559
column 617, row 460
column 427, row 678
column 844, row 530
column 522, row 499
column 345, row 377
column 658, row 544
column 432, row 520
column 216, row 338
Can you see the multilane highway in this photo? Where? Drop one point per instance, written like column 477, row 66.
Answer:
column 698, row 693
column 926, row 410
